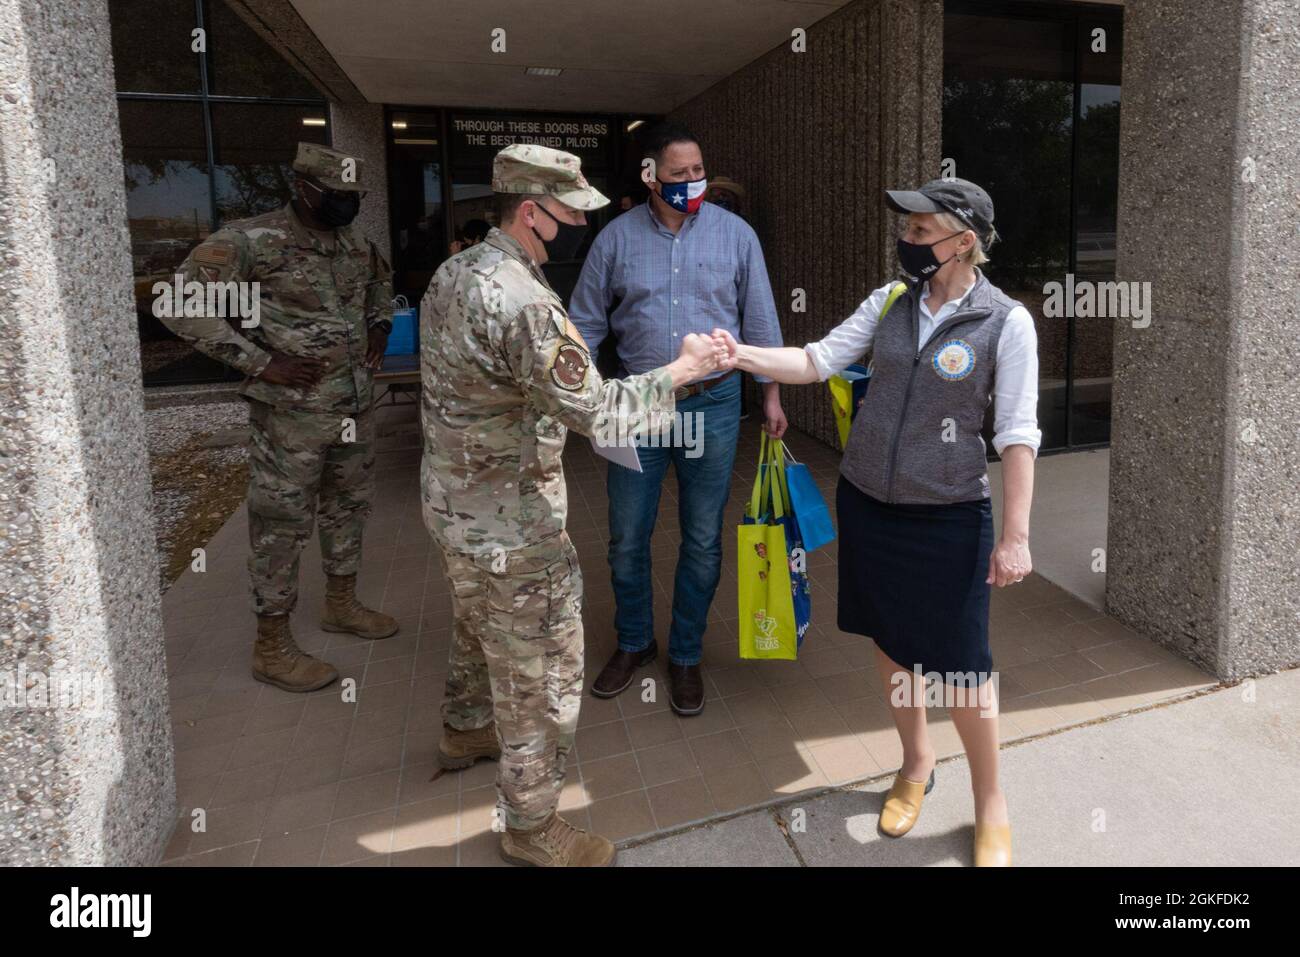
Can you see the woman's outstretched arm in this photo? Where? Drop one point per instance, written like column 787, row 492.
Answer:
column 786, row 364
column 817, row 361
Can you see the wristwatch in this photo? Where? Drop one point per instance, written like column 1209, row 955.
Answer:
column 384, row 324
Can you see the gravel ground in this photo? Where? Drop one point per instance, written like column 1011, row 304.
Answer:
column 198, row 459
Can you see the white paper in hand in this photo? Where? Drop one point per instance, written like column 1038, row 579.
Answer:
column 624, row 455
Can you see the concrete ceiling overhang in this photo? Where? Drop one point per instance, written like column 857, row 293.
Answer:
column 616, row 55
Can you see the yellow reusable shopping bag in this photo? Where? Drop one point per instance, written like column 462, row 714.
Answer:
column 855, row 380
column 842, row 402
column 767, row 620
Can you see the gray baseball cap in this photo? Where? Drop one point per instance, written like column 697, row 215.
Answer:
column 964, row 199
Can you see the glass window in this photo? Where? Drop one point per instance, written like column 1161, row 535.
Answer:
column 1096, row 184
column 153, row 46
column 175, row 197
column 471, row 203
column 1007, row 111
column 474, row 139
column 169, row 212
column 241, row 63
column 253, row 146
column 1011, row 85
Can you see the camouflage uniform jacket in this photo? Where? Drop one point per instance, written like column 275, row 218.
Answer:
column 504, row 374
column 315, row 303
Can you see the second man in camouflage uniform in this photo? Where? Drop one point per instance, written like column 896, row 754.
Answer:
column 505, row 374
column 324, row 315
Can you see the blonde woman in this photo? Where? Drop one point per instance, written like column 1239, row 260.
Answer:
column 917, row 553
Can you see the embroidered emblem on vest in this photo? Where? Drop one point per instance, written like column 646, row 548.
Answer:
column 954, row 360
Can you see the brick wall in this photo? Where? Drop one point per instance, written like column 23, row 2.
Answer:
column 815, row 138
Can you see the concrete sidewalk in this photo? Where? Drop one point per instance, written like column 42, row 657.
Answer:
column 1071, row 508
column 290, row 780
column 1209, row 780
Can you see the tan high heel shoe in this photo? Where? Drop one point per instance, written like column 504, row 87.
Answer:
column 992, row 845
column 903, row 804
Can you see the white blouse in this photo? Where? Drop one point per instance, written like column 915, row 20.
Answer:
column 1015, row 378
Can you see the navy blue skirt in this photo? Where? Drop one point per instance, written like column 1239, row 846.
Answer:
column 912, row 580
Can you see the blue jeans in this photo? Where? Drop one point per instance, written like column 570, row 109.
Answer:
column 703, row 484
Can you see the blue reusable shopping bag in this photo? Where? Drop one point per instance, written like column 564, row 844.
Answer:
column 401, row 341
column 860, row 378
column 798, row 559
column 808, row 506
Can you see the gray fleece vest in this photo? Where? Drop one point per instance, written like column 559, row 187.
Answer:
column 916, row 439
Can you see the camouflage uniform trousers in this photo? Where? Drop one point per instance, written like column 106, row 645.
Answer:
column 300, row 467
column 516, row 656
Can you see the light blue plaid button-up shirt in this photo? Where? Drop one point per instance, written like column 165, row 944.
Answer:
column 652, row 286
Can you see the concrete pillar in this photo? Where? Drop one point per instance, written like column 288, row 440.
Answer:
column 815, row 138
column 87, row 779
column 1204, row 536
column 358, row 128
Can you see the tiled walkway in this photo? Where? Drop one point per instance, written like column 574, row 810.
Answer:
column 293, row 779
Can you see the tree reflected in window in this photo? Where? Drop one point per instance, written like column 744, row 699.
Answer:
column 1031, row 113
column 254, row 146
column 175, row 196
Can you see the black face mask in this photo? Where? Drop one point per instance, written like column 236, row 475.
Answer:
column 337, row 207
column 918, row 259
column 568, row 238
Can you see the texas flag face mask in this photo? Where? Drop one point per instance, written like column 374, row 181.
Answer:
column 684, row 197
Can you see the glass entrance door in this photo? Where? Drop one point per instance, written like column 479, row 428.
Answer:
column 417, row 207
column 1031, row 113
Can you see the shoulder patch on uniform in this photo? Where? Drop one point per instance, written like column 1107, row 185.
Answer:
column 214, row 255
column 257, row 232
column 569, row 367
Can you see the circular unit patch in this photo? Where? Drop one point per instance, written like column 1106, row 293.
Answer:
column 569, row 368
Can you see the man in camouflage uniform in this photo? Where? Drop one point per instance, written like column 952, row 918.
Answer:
column 504, row 374
column 325, row 312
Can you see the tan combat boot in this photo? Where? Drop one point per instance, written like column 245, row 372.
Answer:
column 460, row 749
column 277, row 659
column 343, row 613
column 557, row 843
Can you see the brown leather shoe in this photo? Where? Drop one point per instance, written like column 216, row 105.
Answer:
column 992, row 845
column 557, row 843
column 685, row 689
column 618, row 673
column 903, row 804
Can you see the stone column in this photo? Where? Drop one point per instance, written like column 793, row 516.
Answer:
column 86, row 778
column 358, row 129
column 1204, row 536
